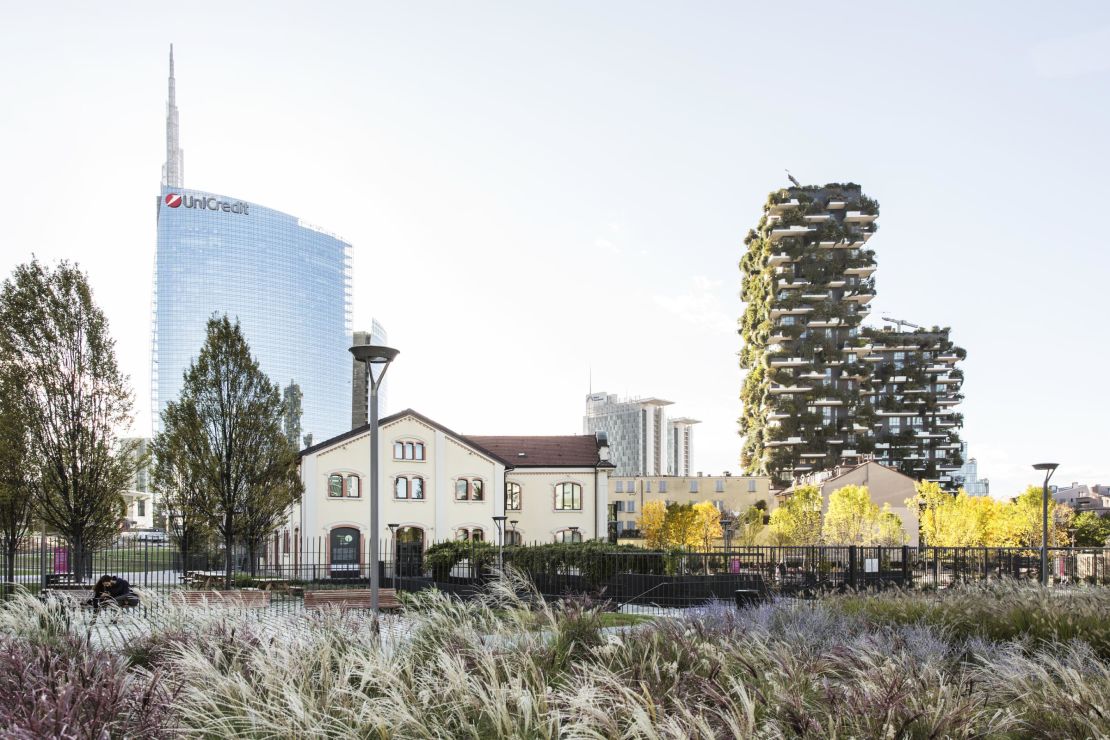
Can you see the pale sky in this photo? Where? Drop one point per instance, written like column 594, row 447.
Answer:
column 540, row 191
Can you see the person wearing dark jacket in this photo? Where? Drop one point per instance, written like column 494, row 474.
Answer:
column 113, row 590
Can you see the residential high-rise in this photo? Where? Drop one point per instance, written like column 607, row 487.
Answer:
column 636, row 430
column 910, row 387
column 360, row 389
column 680, row 445
column 806, row 284
column 969, row 475
column 822, row 391
column 286, row 282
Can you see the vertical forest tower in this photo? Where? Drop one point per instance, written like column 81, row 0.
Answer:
column 821, row 390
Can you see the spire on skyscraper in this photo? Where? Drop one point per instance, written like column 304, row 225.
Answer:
column 173, row 171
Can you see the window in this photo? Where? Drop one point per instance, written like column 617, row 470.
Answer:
column 787, row 321
column 417, row 486
column 335, row 486
column 662, row 486
column 406, row 450
column 647, row 486
column 693, row 485
column 618, row 506
column 477, row 535
column 720, row 487
column 751, row 485
column 512, row 497
column 631, row 507
column 568, row 497
column 513, row 537
column 469, row 489
column 568, row 535
column 401, row 487
column 140, row 507
column 620, row 486
column 354, row 486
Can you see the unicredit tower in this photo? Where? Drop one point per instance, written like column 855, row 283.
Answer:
column 287, row 283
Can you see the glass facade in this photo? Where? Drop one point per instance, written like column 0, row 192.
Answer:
column 287, row 283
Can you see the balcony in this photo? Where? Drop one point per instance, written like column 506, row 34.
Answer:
column 826, row 245
column 828, row 402
column 836, row 205
column 815, row 296
column 789, row 362
column 788, row 442
column 781, row 207
column 860, row 296
column 817, row 218
column 777, row 234
column 778, row 259
column 863, row 271
column 849, row 453
column 824, row 323
column 858, row 217
column 786, row 390
column 812, row 455
column 778, row 415
column 778, row 338
column 777, row 312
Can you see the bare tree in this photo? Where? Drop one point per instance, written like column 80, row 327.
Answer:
column 76, row 401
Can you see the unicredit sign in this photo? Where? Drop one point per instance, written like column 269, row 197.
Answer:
column 205, row 202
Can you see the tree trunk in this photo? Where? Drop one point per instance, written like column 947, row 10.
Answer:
column 228, row 541
column 252, row 558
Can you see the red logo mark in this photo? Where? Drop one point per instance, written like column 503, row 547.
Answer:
column 173, row 200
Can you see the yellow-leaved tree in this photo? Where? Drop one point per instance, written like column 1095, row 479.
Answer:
column 797, row 520
column 959, row 520
column 707, row 524
column 652, row 524
column 680, row 526
column 851, row 517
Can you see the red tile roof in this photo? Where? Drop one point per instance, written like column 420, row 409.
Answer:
column 578, row 451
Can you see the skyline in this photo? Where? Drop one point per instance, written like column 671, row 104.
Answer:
column 623, row 161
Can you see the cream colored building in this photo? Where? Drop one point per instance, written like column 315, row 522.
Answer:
column 731, row 493
column 436, row 485
column 885, row 485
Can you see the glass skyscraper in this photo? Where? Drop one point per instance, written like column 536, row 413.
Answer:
column 287, row 283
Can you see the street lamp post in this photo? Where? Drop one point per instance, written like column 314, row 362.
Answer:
column 499, row 521
column 393, row 551
column 1049, row 469
column 726, row 524
column 377, row 359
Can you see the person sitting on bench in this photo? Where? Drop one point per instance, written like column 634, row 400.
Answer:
column 113, row 590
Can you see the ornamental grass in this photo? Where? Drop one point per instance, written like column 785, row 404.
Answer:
column 987, row 661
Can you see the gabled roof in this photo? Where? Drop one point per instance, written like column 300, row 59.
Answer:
column 360, row 430
column 844, row 472
column 568, row 451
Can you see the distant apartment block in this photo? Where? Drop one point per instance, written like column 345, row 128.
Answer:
column 680, row 445
column 1082, row 497
column 139, row 498
column 969, row 474
column 636, row 429
column 731, row 494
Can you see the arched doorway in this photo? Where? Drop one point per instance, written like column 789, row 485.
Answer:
column 410, row 552
column 345, row 542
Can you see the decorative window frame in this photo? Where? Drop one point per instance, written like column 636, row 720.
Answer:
column 409, row 479
column 345, row 476
column 558, row 491
column 418, row 444
column 519, row 496
column 470, row 481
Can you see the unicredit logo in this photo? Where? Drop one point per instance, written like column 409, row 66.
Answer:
column 205, row 202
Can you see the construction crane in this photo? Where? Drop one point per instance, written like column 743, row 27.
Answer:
column 796, row 183
column 901, row 323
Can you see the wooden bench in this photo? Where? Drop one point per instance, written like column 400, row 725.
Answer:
column 251, row 599
column 351, row 598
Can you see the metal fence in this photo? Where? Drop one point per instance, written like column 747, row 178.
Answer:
column 634, row 580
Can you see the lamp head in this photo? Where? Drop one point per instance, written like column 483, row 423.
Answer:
column 377, row 359
column 1045, row 466
column 392, row 526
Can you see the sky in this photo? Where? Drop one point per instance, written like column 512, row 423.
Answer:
column 549, row 197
